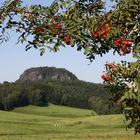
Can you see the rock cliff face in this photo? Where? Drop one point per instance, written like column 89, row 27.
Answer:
column 46, row 73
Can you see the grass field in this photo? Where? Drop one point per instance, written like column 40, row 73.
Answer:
column 61, row 123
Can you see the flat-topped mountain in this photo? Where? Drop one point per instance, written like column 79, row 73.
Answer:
column 46, row 73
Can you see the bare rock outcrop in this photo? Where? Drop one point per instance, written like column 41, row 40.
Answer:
column 46, row 73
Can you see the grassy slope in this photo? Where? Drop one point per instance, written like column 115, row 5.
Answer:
column 61, row 123
column 55, row 111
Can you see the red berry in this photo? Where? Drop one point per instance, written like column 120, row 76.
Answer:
column 67, row 40
column 123, row 47
column 103, row 77
column 57, row 26
column 108, row 78
column 104, row 36
column 117, row 42
column 95, row 33
column 110, row 66
column 105, row 31
column 128, row 43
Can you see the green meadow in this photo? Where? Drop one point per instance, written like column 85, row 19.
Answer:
column 62, row 123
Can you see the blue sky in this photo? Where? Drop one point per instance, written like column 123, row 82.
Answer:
column 14, row 59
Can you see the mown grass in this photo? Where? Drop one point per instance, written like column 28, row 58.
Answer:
column 54, row 110
column 61, row 123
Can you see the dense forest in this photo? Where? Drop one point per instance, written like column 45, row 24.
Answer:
column 73, row 93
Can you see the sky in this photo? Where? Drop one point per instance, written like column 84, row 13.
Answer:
column 14, row 60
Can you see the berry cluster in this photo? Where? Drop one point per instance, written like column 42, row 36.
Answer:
column 56, row 32
column 67, row 39
column 101, row 33
column 57, row 26
column 106, row 78
column 124, row 45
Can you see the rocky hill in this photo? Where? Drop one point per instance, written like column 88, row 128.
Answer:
column 47, row 73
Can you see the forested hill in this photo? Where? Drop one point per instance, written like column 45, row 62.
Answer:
column 47, row 73
column 66, row 90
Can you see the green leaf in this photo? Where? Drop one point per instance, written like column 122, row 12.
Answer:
column 128, row 108
column 42, row 51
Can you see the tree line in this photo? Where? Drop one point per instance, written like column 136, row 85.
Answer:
column 69, row 93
